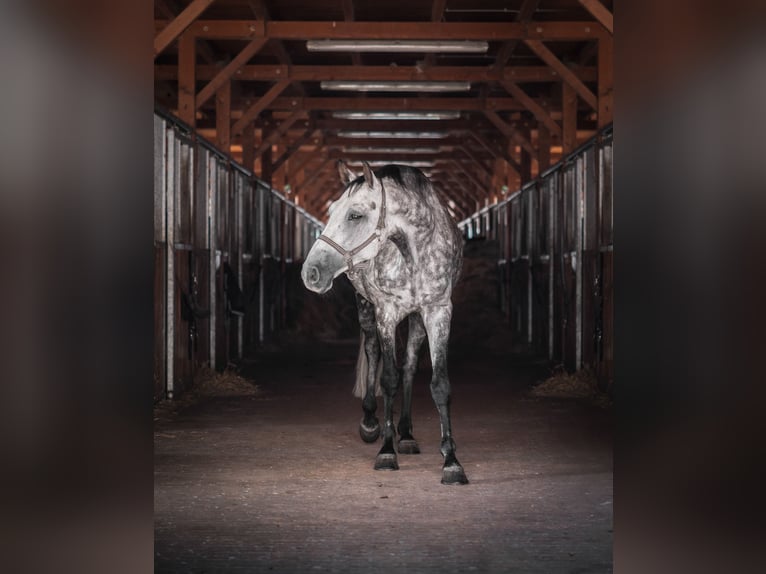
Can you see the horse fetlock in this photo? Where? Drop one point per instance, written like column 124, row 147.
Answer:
column 448, row 449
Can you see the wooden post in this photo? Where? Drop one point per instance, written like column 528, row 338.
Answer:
column 569, row 112
column 526, row 157
column 186, row 65
column 223, row 118
column 605, row 81
column 543, row 147
column 248, row 147
column 266, row 172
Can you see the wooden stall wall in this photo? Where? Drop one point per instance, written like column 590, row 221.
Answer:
column 222, row 240
column 556, row 260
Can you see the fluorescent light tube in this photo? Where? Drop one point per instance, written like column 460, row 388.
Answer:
column 441, row 46
column 396, row 86
column 397, row 115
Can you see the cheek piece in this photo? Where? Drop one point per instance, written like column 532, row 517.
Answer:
column 348, row 254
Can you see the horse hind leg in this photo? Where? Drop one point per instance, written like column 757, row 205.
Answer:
column 367, row 368
column 415, row 338
column 437, row 323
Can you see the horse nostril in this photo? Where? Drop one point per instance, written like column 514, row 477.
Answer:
column 312, row 275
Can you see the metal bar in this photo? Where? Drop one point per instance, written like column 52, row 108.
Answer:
column 262, row 240
column 579, row 215
column 212, row 198
column 170, row 189
column 240, row 191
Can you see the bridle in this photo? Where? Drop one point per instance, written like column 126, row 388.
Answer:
column 348, row 255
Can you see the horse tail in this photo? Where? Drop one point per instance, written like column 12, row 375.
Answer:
column 360, row 385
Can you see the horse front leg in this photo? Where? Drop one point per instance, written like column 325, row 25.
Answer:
column 369, row 427
column 389, row 382
column 437, row 323
column 415, row 338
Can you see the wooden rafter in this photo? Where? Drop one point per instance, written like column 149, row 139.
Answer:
column 171, row 10
column 475, row 160
column 295, row 146
column 259, row 106
column 281, row 130
column 545, row 54
column 229, row 70
column 538, row 110
column 302, row 73
column 496, row 151
column 179, row 24
column 223, row 117
column 506, row 50
column 327, row 30
column 600, row 13
column 348, row 16
column 510, row 132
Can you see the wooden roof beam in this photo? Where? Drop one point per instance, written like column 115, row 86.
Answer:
column 295, row 146
column 329, row 30
column 506, row 50
column 229, row 70
column 180, row 23
column 600, row 13
column 544, row 53
column 263, row 73
column 538, row 110
column 281, row 130
column 259, row 106
column 508, row 131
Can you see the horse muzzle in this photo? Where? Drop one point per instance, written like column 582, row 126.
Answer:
column 315, row 279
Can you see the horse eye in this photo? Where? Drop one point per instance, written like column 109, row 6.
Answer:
column 353, row 216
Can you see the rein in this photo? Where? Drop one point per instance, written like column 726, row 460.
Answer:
column 348, row 255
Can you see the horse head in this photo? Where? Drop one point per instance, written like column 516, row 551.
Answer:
column 353, row 234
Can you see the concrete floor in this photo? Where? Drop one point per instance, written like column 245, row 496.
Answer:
column 281, row 482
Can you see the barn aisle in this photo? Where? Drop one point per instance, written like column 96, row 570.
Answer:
column 281, row 482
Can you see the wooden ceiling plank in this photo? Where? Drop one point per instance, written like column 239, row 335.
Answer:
column 179, row 24
column 600, row 13
column 539, row 112
column 259, row 106
column 545, row 54
column 229, row 70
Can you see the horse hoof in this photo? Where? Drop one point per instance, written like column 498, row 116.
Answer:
column 454, row 474
column 369, row 434
column 386, row 461
column 408, row 446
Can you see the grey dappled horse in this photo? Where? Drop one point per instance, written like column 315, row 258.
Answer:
column 394, row 238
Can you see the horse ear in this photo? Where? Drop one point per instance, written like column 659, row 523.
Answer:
column 369, row 176
column 346, row 175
